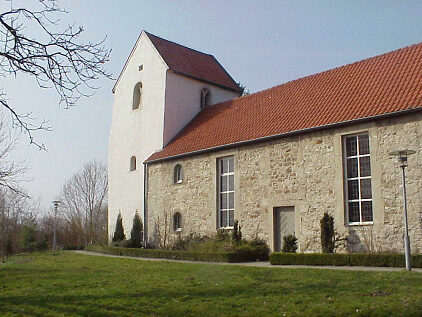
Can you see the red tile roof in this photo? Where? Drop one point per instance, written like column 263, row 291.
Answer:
column 188, row 62
column 384, row 84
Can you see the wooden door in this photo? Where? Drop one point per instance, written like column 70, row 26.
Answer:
column 284, row 224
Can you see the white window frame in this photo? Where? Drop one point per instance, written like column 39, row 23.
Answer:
column 228, row 191
column 358, row 156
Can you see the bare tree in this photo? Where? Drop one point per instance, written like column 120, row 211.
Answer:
column 84, row 198
column 11, row 172
column 54, row 58
column 14, row 211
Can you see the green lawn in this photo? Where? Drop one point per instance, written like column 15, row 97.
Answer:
column 66, row 283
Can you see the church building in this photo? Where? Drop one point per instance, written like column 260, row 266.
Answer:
column 192, row 155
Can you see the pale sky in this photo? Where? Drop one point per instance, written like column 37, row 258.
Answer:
column 260, row 43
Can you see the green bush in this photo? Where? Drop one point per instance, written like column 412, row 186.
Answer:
column 289, row 243
column 240, row 254
column 119, row 232
column 42, row 243
column 136, row 232
column 237, row 233
column 121, row 244
column 327, row 233
column 73, row 247
column 336, row 259
column 29, row 241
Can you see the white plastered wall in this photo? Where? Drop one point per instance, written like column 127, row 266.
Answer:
column 183, row 101
column 169, row 102
column 135, row 132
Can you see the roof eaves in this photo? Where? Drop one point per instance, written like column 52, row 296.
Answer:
column 206, row 81
column 285, row 134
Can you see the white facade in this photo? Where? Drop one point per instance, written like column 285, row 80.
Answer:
column 168, row 102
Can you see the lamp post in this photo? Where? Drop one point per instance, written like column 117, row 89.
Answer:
column 56, row 204
column 402, row 158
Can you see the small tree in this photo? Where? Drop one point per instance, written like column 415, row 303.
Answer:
column 136, row 233
column 9, row 247
column 119, row 232
column 327, row 233
column 289, row 243
column 237, row 232
column 29, row 242
column 42, row 244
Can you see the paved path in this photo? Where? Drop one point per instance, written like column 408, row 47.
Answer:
column 258, row 264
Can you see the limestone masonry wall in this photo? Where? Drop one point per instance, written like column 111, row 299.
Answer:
column 303, row 171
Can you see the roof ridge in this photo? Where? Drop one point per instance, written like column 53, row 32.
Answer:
column 189, row 48
column 324, row 72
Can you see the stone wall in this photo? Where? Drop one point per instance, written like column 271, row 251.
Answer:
column 303, row 171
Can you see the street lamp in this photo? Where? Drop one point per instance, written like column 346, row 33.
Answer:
column 402, row 158
column 56, row 204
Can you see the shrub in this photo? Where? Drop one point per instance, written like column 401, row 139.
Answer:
column 122, row 244
column 353, row 259
column 136, row 232
column 237, row 233
column 327, row 233
column 73, row 247
column 186, row 242
column 42, row 244
column 119, row 232
column 241, row 254
column 9, row 246
column 289, row 243
column 29, row 241
column 222, row 235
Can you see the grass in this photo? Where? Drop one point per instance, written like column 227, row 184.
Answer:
column 65, row 283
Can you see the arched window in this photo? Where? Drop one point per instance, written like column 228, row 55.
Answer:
column 178, row 174
column 137, row 96
column 177, row 222
column 205, row 96
column 133, row 163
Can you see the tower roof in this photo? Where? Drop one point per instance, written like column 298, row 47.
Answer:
column 189, row 62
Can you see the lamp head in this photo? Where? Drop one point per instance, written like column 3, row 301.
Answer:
column 402, row 155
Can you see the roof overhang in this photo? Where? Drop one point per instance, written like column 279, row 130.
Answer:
column 286, row 134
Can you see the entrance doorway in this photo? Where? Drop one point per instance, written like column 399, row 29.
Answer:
column 284, row 224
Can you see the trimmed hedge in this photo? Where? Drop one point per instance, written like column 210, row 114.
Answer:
column 338, row 259
column 73, row 247
column 240, row 255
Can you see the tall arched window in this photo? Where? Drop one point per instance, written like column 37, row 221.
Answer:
column 133, row 163
column 137, row 96
column 205, row 96
column 178, row 174
column 177, row 222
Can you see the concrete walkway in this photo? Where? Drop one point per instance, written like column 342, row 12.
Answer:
column 258, row 264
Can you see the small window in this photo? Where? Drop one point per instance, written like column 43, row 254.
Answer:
column 141, row 67
column 177, row 222
column 133, row 163
column 205, row 96
column 178, row 174
column 137, row 96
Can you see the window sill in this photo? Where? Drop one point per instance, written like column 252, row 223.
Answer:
column 226, row 228
column 178, row 230
column 360, row 224
column 178, row 182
